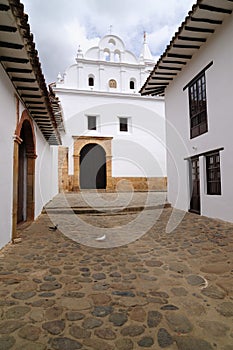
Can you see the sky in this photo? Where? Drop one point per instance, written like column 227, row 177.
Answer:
column 60, row 26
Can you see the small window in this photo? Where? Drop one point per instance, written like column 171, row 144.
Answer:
column 91, row 81
column 123, row 124
column 198, row 106
column 213, row 173
column 112, row 84
column 91, row 123
column 131, row 85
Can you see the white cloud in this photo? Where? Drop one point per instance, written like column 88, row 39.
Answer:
column 60, row 26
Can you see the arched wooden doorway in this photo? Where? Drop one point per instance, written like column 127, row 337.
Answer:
column 92, row 167
column 26, row 173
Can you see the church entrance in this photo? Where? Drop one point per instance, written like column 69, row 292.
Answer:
column 92, row 167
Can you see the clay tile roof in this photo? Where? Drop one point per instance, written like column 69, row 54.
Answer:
column 19, row 58
column 198, row 26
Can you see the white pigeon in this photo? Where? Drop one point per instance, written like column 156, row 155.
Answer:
column 102, row 238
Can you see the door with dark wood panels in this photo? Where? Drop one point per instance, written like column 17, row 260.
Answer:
column 195, row 203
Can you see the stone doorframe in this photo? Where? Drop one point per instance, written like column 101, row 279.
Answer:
column 30, row 142
column 79, row 143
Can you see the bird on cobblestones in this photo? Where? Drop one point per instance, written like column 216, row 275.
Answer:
column 53, row 228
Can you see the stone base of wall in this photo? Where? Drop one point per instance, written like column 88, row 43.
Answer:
column 122, row 184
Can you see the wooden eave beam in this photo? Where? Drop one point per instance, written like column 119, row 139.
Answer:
column 161, row 78
column 9, row 29
column 174, row 62
column 199, row 30
column 169, row 68
column 190, row 38
column 183, row 46
column 37, row 108
column 33, row 103
column 23, row 80
column 163, row 73
column 27, row 88
column 214, row 9
column 159, row 84
column 11, row 45
column 205, row 20
column 13, row 59
column 179, row 55
column 18, row 70
column 31, row 96
column 4, row 7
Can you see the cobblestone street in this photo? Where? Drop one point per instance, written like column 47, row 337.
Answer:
column 65, row 289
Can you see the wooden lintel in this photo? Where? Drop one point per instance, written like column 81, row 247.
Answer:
column 174, row 62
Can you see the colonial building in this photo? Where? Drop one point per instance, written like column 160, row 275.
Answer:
column 112, row 133
column 29, row 125
column 195, row 73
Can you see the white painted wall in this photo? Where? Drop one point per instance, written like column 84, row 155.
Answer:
column 219, row 80
column 46, row 173
column 7, row 128
column 139, row 152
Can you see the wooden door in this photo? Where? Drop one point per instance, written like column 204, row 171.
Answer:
column 195, row 205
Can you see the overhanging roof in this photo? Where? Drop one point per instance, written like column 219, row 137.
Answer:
column 20, row 60
column 198, row 26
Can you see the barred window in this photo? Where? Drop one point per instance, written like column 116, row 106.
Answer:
column 213, row 173
column 198, row 106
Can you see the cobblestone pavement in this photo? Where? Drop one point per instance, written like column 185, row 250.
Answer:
column 162, row 291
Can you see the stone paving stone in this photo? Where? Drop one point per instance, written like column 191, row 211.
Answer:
column 191, row 343
column 164, row 338
column 132, row 330
column 7, row 342
column 30, row 332
column 118, row 319
column 17, row 312
column 225, row 309
column 154, row 318
column 179, row 323
column 54, row 327
column 65, row 344
column 146, row 342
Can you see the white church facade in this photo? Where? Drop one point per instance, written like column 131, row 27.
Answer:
column 115, row 139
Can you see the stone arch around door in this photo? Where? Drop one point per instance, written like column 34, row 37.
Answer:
column 92, row 163
column 89, row 147
column 24, row 171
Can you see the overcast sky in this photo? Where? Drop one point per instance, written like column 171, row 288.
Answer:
column 60, row 26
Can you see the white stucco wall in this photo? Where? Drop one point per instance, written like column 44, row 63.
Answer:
column 139, row 152
column 46, row 174
column 219, row 82
column 7, row 128
column 46, row 177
